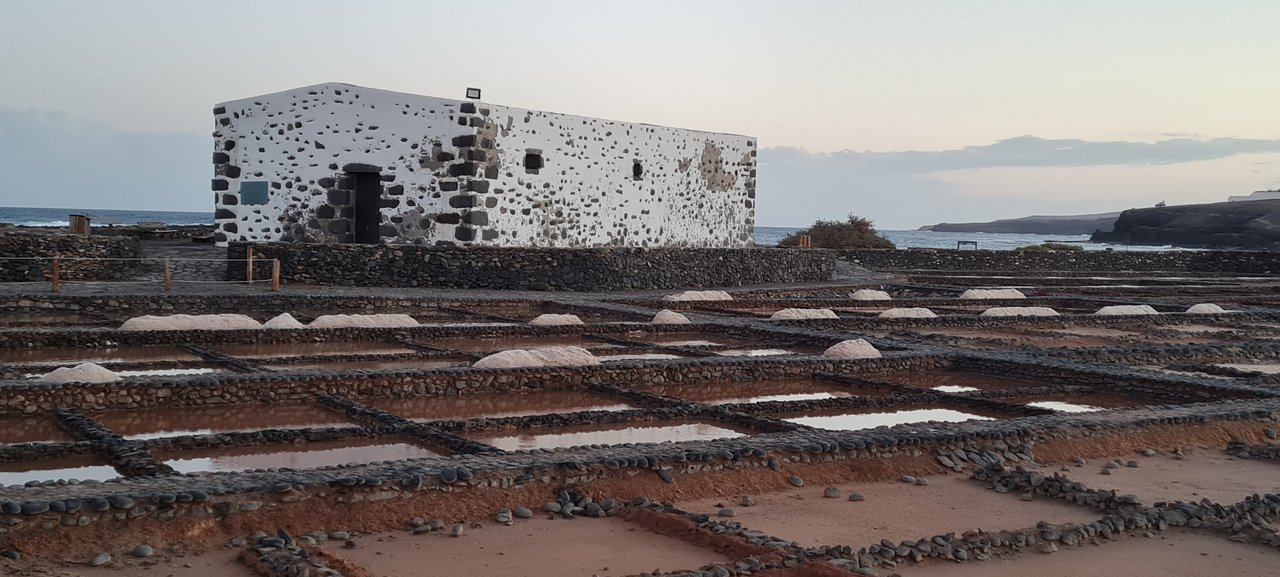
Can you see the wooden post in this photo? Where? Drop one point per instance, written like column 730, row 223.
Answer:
column 55, row 274
column 248, row 269
column 275, row 274
column 167, row 278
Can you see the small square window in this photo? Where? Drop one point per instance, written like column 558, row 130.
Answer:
column 473, row 93
column 533, row 161
column 637, row 170
column 253, row 192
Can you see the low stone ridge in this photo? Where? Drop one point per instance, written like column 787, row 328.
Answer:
column 27, row 256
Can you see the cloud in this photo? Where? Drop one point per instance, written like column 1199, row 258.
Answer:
column 52, row 159
column 908, row 188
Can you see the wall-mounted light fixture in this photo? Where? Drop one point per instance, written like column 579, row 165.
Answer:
column 473, row 93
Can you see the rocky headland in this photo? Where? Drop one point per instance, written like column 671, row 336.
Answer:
column 1220, row 225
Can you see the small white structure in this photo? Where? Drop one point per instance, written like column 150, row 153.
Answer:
column 339, row 163
column 852, row 349
column 991, row 294
column 1127, row 310
column 1019, row 312
column 908, row 313
column 698, row 296
column 870, row 295
column 81, row 373
column 222, row 322
column 380, row 321
column 803, row 314
column 669, row 317
column 1206, row 309
column 543, row 357
column 554, row 320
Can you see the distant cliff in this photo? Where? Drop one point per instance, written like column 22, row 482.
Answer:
column 1075, row 224
column 1242, row 225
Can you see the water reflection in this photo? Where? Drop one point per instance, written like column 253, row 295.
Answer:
column 857, row 422
column 81, row 467
column 144, row 424
column 1064, row 406
column 638, row 357
column 329, row 349
column 31, row 430
column 54, row 356
column 969, row 381
column 387, row 365
column 607, row 435
column 755, row 352
column 751, row 392
column 954, row 389
column 303, row 456
column 498, row 405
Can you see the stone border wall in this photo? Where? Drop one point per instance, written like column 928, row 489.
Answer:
column 1222, row 261
column 45, row 246
column 587, row 269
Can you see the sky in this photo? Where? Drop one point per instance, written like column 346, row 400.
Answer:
column 907, row 112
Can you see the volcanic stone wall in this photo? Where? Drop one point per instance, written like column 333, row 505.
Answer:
column 21, row 246
column 1238, row 262
column 287, row 167
column 596, row 269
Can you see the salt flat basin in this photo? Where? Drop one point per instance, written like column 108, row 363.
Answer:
column 142, row 424
column 860, row 421
column 294, row 456
column 493, row 344
column 1082, row 402
column 54, row 356
column 955, row 378
column 613, row 434
column 755, row 352
column 1065, row 407
column 685, row 339
column 1267, row 368
column 14, row 430
column 374, row 365
column 171, row 372
column 638, row 357
column 82, row 467
column 497, row 405
column 266, row 350
column 750, row 392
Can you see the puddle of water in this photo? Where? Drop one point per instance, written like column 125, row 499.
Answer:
column 32, row 430
column 168, row 372
column 145, row 424
column 755, row 353
column 294, row 456
column 685, row 339
column 1064, row 407
column 751, row 392
column 491, row 344
column 954, row 389
column 606, row 435
column 689, row 343
column 857, row 422
column 965, row 381
column 51, row 356
column 390, row 365
column 492, row 406
column 638, row 357
column 311, row 349
column 81, row 467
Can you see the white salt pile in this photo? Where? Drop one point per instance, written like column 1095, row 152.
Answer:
column 870, row 295
column 908, row 313
column 363, row 321
column 550, row 320
column 852, row 349
column 1127, row 310
column 699, row 296
column 82, row 373
column 1019, row 312
column 543, row 357
column 986, row 294
column 666, row 317
column 1206, row 309
column 223, row 322
column 283, row 321
column 798, row 314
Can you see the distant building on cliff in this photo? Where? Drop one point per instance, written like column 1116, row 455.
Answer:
column 337, row 163
column 1256, row 195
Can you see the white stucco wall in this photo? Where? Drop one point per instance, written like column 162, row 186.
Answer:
column 454, row 171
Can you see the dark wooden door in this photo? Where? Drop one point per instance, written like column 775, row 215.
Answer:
column 368, row 213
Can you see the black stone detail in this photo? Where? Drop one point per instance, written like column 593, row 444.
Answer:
column 387, row 231
column 221, row 158
column 464, row 233
column 445, row 157
column 220, row 184
column 395, row 190
column 325, row 211
column 224, row 121
column 491, row 171
column 228, row 145
column 231, row 227
column 462, row 169
column 231, row 171
column 339, row 197
column 448, row 185
column 481, row 186
column 219, row 109
column 360, row 167
column 476, row 218
column 467, row 108
column 388, row 202
column 462, row 201
column 490, row 202
column 326, row 182
column 464, row 141
column 449, row 218
column 489, row 235
column 477, row 155
column 339, row 226
column 222, row 213
column 230, row 199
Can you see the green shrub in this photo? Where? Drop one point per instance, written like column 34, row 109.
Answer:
column 1050, row 247
column 856, row 232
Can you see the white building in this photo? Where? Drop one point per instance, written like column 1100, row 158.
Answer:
column 1255, row 195
column 337, row 163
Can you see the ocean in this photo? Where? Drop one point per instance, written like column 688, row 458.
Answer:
column 765, row 235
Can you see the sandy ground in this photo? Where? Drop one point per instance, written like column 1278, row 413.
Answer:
column 892, row 510
column 220, row 563
column 535, row 547
column 1171, row 554
column 1202, row 473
